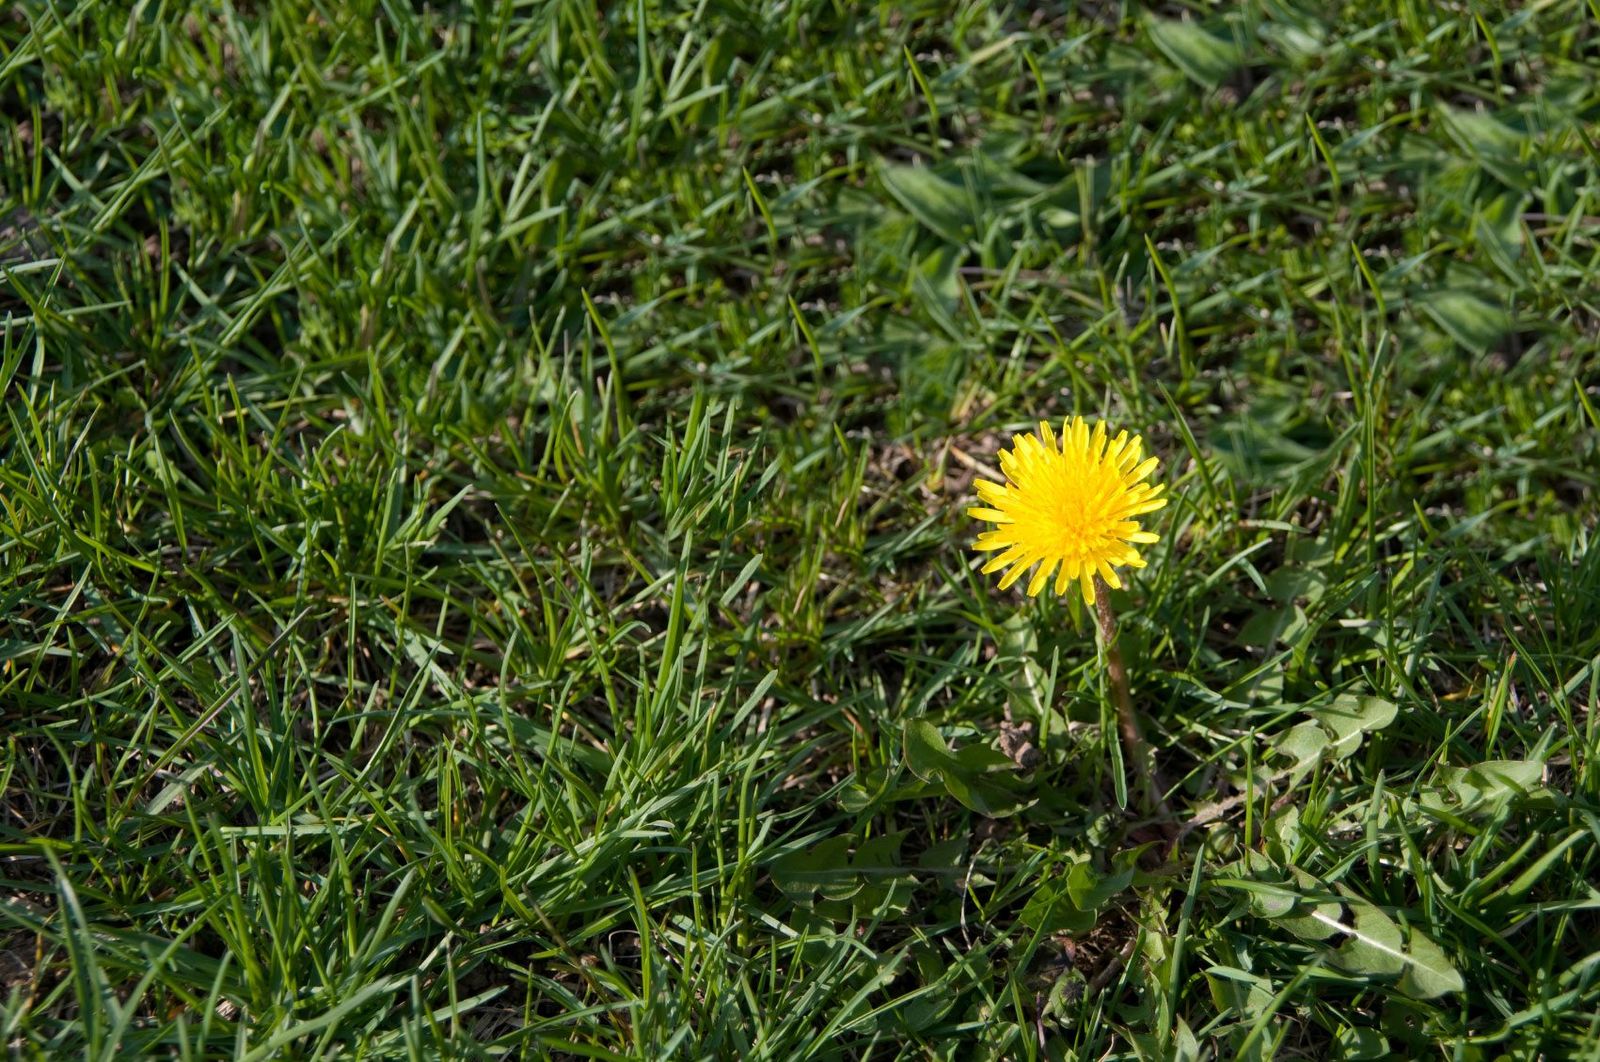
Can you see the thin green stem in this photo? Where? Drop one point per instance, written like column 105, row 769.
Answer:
column 1137, row 748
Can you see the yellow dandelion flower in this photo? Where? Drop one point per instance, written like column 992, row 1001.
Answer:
column 1068, row 506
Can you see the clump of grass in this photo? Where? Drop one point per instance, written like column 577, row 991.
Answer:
column 480, row 563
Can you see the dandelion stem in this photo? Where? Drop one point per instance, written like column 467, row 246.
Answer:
column 1138, row 750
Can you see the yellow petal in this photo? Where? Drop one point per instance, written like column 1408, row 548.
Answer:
column 1086, row 580
column 1012, row 576
column 1144, row 470
column 999, row 561
column 1130, row 456
column 992, row 540
column 1068, row 572
column 1040, row 576
column 989, row 491
column 994, row 516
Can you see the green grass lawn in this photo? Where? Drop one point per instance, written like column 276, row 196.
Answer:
column 483, row 563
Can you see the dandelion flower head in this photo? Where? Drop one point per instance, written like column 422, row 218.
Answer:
column 1068, row 506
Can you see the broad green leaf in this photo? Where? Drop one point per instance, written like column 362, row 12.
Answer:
column 1350, row 716
column 1031, row 695
column 865, row 790
column 1497, row 227
column 988, row 796
column 1469, row 319
column 827, row 868
column 1310, row 918
column 1305, row 743
column 1359, row 1044
column 1051, row 910
column 936, row 282
column 1493, row 782
column 1314, row 924
column 1501, row 151
column 996, row 179
column 944, row 856
column 1203, row 56
column 1090, row 889
column 977, row 776
column 825, row 864
column 1518, row 776
column 1269, row 626
column 1250, row 994
column 1302, row 42
column 935, row 202
column 1283, row 832
column 1377, row 947
column 1185, row 1048
column 978, row 759
column 1272, row 902
column 1059, row 217
column 924, row 1010
column 1291, row 904
column 878, row 873
column 1429, row 972
column 1288, row 583
column 926, row 753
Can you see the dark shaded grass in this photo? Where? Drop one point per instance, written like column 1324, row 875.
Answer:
column 481, row 507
